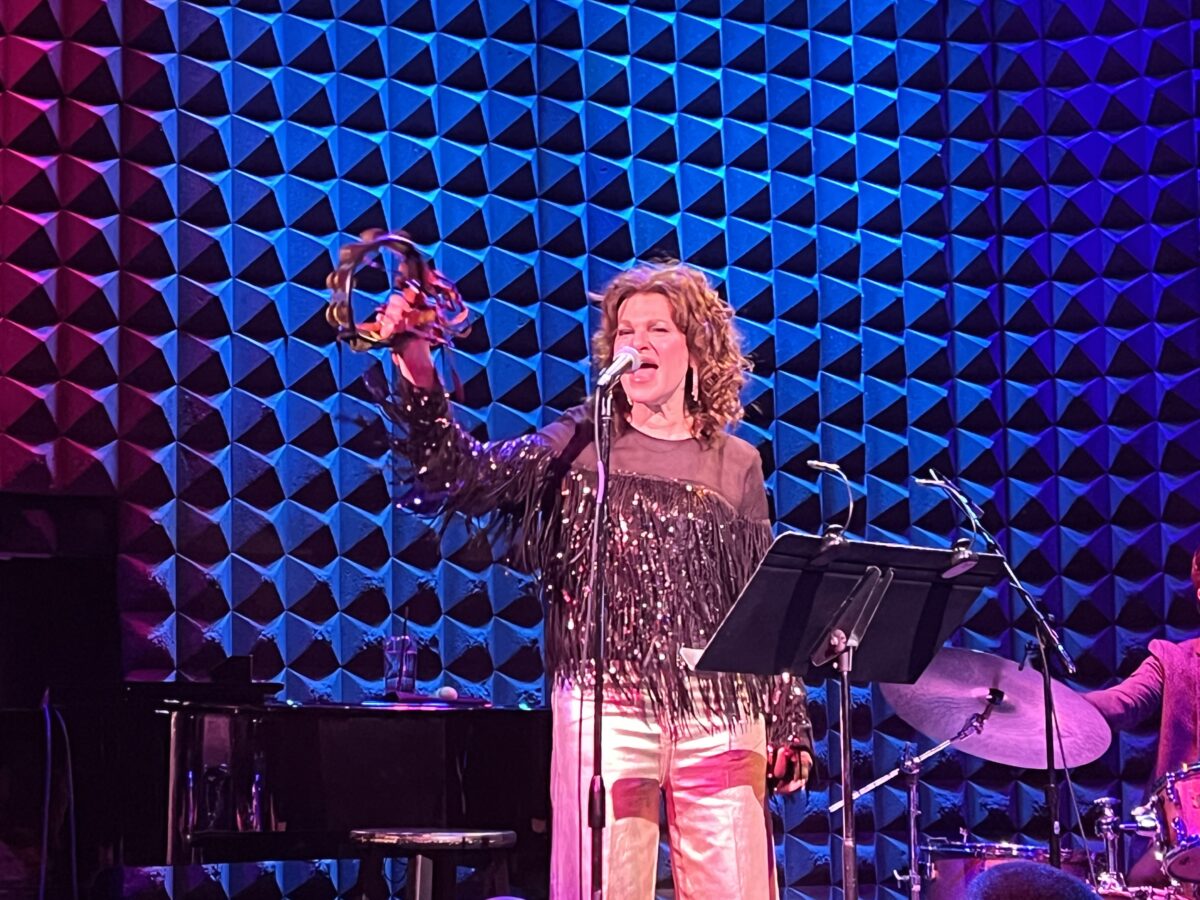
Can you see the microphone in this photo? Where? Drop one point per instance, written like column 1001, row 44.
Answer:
column 821, row 466
column 965, row 505
column 624, row 360
column 962, row 557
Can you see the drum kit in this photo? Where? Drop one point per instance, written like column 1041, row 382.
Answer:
column 992, row 708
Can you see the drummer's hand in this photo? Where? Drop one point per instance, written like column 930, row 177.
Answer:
column 789, row 768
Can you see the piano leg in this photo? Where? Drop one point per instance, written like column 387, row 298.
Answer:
column 174, row 790
column 422, row 874
column 425, row 877
column 371, row 884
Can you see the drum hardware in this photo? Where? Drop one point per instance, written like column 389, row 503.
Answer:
column 1013, row 699
column 958, row 680
column 1108, row 829
column 974, row 725
column 950, row 867
column 910, row 768
column 1110, row 882
column 1144, row 824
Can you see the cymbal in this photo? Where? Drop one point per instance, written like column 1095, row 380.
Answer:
column 956, row 686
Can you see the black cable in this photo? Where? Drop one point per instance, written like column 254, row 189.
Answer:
column 1062, row 749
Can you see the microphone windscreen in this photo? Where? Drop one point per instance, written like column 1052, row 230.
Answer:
column 635, row 358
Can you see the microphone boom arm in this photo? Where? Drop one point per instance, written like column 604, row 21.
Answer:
column 972, row 512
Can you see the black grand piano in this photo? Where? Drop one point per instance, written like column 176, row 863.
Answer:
column 286, row 781
column 170, row 776
column 181, row 773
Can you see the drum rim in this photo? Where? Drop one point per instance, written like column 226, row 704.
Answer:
column 985, row 850
column 1171, row 854
column 1180, row 774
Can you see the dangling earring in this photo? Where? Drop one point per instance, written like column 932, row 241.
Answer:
column 695, row 385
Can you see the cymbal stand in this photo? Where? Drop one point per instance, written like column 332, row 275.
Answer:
column 912, row 780
column 974, row 725
column 910, row 768
column 1108, row 829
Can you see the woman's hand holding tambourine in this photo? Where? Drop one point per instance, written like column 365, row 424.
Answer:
column 411, row 352
column 421, row 302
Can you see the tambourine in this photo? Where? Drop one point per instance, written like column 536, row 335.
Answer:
column 420, row 300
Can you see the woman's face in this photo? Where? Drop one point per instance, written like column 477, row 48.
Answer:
column 645, row 323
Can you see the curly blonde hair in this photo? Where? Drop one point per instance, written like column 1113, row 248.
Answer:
column 713, row 342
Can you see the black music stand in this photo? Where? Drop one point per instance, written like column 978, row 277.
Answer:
column 807, row 610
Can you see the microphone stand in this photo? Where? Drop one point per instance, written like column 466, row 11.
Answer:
column 624, row 359
column 1046, row 637
column 602, row 421
column 843, row 639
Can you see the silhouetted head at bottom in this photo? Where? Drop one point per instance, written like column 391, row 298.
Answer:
column 1024, row 880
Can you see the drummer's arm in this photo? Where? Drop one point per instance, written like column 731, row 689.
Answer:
column 1132, row 701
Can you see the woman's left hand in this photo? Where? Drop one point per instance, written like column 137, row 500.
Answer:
column 789, row 768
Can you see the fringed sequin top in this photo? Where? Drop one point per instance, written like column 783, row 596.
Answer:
column 689, row 524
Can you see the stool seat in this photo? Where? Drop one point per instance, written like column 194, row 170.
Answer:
column 417, row 839
column 432, row 854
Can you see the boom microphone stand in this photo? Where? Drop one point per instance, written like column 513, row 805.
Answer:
column 602, row 421
column 1046, row 637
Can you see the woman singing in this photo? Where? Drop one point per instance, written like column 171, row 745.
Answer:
column 688, row 524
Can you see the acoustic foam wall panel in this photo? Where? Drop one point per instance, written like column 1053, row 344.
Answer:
column 958, row 235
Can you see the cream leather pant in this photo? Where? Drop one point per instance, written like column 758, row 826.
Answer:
column 714, row 777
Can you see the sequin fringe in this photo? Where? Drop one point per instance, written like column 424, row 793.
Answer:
column 677, row 556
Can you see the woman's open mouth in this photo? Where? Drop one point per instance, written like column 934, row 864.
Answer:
column 644, row 373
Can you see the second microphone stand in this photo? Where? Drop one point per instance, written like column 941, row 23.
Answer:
column 1046, row 637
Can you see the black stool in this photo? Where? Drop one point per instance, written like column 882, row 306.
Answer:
column 433, row 858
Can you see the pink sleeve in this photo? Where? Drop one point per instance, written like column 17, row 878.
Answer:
column 1133, row 700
